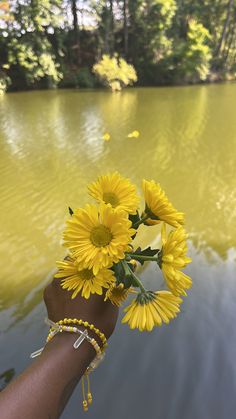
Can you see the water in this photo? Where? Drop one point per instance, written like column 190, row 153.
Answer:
column 50, row 147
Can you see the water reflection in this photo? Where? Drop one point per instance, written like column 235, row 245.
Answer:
column 50, row 147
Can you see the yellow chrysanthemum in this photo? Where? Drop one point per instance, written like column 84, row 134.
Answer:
column 151, row 309
column 173, row 258
column 83, row 281
column 117, row 294
column 158, row 205
column 98, row 236
column 106, row 136
column 115, row 190
column 133, row 134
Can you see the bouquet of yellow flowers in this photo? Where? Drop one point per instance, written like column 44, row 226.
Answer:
column 102, row 257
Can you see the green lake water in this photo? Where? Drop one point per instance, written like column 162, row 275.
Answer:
column 51, row 146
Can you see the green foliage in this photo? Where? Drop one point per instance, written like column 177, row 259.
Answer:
column 82, row 77
column 121, row 276
column 159, row 19
column 193, row 57
column 36, row 61
column 5, row 81
column 145, row 252
column 150, row 37
column 29, row 53
column 85, row 78
column 167, row 42
column 115, row 72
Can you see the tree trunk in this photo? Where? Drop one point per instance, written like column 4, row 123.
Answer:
column 111, row 46
column 125, row 29
column 76, row 31
column 75, row 16
column 229, row 42
column 222, row 38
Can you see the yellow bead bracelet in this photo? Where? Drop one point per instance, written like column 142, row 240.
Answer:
column 87, row 325
column 71, row 329
column 61, row 326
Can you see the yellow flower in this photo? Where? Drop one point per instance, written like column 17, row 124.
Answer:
column 173, row 258
column 151, row 309
column 133, row 134
column 115, row 190
column 84, row 280
column 117, row 294
column 106, row 136
column 158, row 205
column 98, row 236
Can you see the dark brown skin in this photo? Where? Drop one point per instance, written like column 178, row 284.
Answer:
column 44, row 388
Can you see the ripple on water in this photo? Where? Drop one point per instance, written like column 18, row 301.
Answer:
column 51, row 147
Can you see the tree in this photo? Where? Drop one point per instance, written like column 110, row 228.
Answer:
column 30, row 54
column 167, row 41
column 115, row 72
column 192, row 58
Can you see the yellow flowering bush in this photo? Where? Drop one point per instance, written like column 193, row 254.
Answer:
column 102, row 258
column 115, row 72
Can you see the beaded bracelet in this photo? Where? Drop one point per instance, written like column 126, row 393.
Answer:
column 56, row 328
column 86, row 324
column 59, row 327
column 72, row 329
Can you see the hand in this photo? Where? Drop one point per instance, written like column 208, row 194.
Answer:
column 103, row 314
column 44, row 388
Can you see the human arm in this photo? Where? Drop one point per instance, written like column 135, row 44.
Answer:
column 43, row 389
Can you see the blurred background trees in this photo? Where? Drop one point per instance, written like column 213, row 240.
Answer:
column 46, row 43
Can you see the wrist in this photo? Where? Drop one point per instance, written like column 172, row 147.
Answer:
column 62, row 346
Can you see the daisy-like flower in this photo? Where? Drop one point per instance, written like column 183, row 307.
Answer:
column 117, row 294
column 173, row 258
column 115, row 190
column 106, row 136
column 98, row 236
column 151, row 309
column 159, row 207
column 83, row 281
column 133, row 134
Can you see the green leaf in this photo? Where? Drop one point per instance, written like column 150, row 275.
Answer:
column 134, row 218
column 127, row 281
column 146, row 252
column 119, row 272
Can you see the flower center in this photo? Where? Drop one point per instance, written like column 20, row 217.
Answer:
column 86, row 274
column 111, row 198
column 101, row 236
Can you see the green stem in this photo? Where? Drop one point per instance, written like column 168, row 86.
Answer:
column 138, row 282
column 126, row 268
column 129, row 272
column 141, row 257
column 141, row 221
